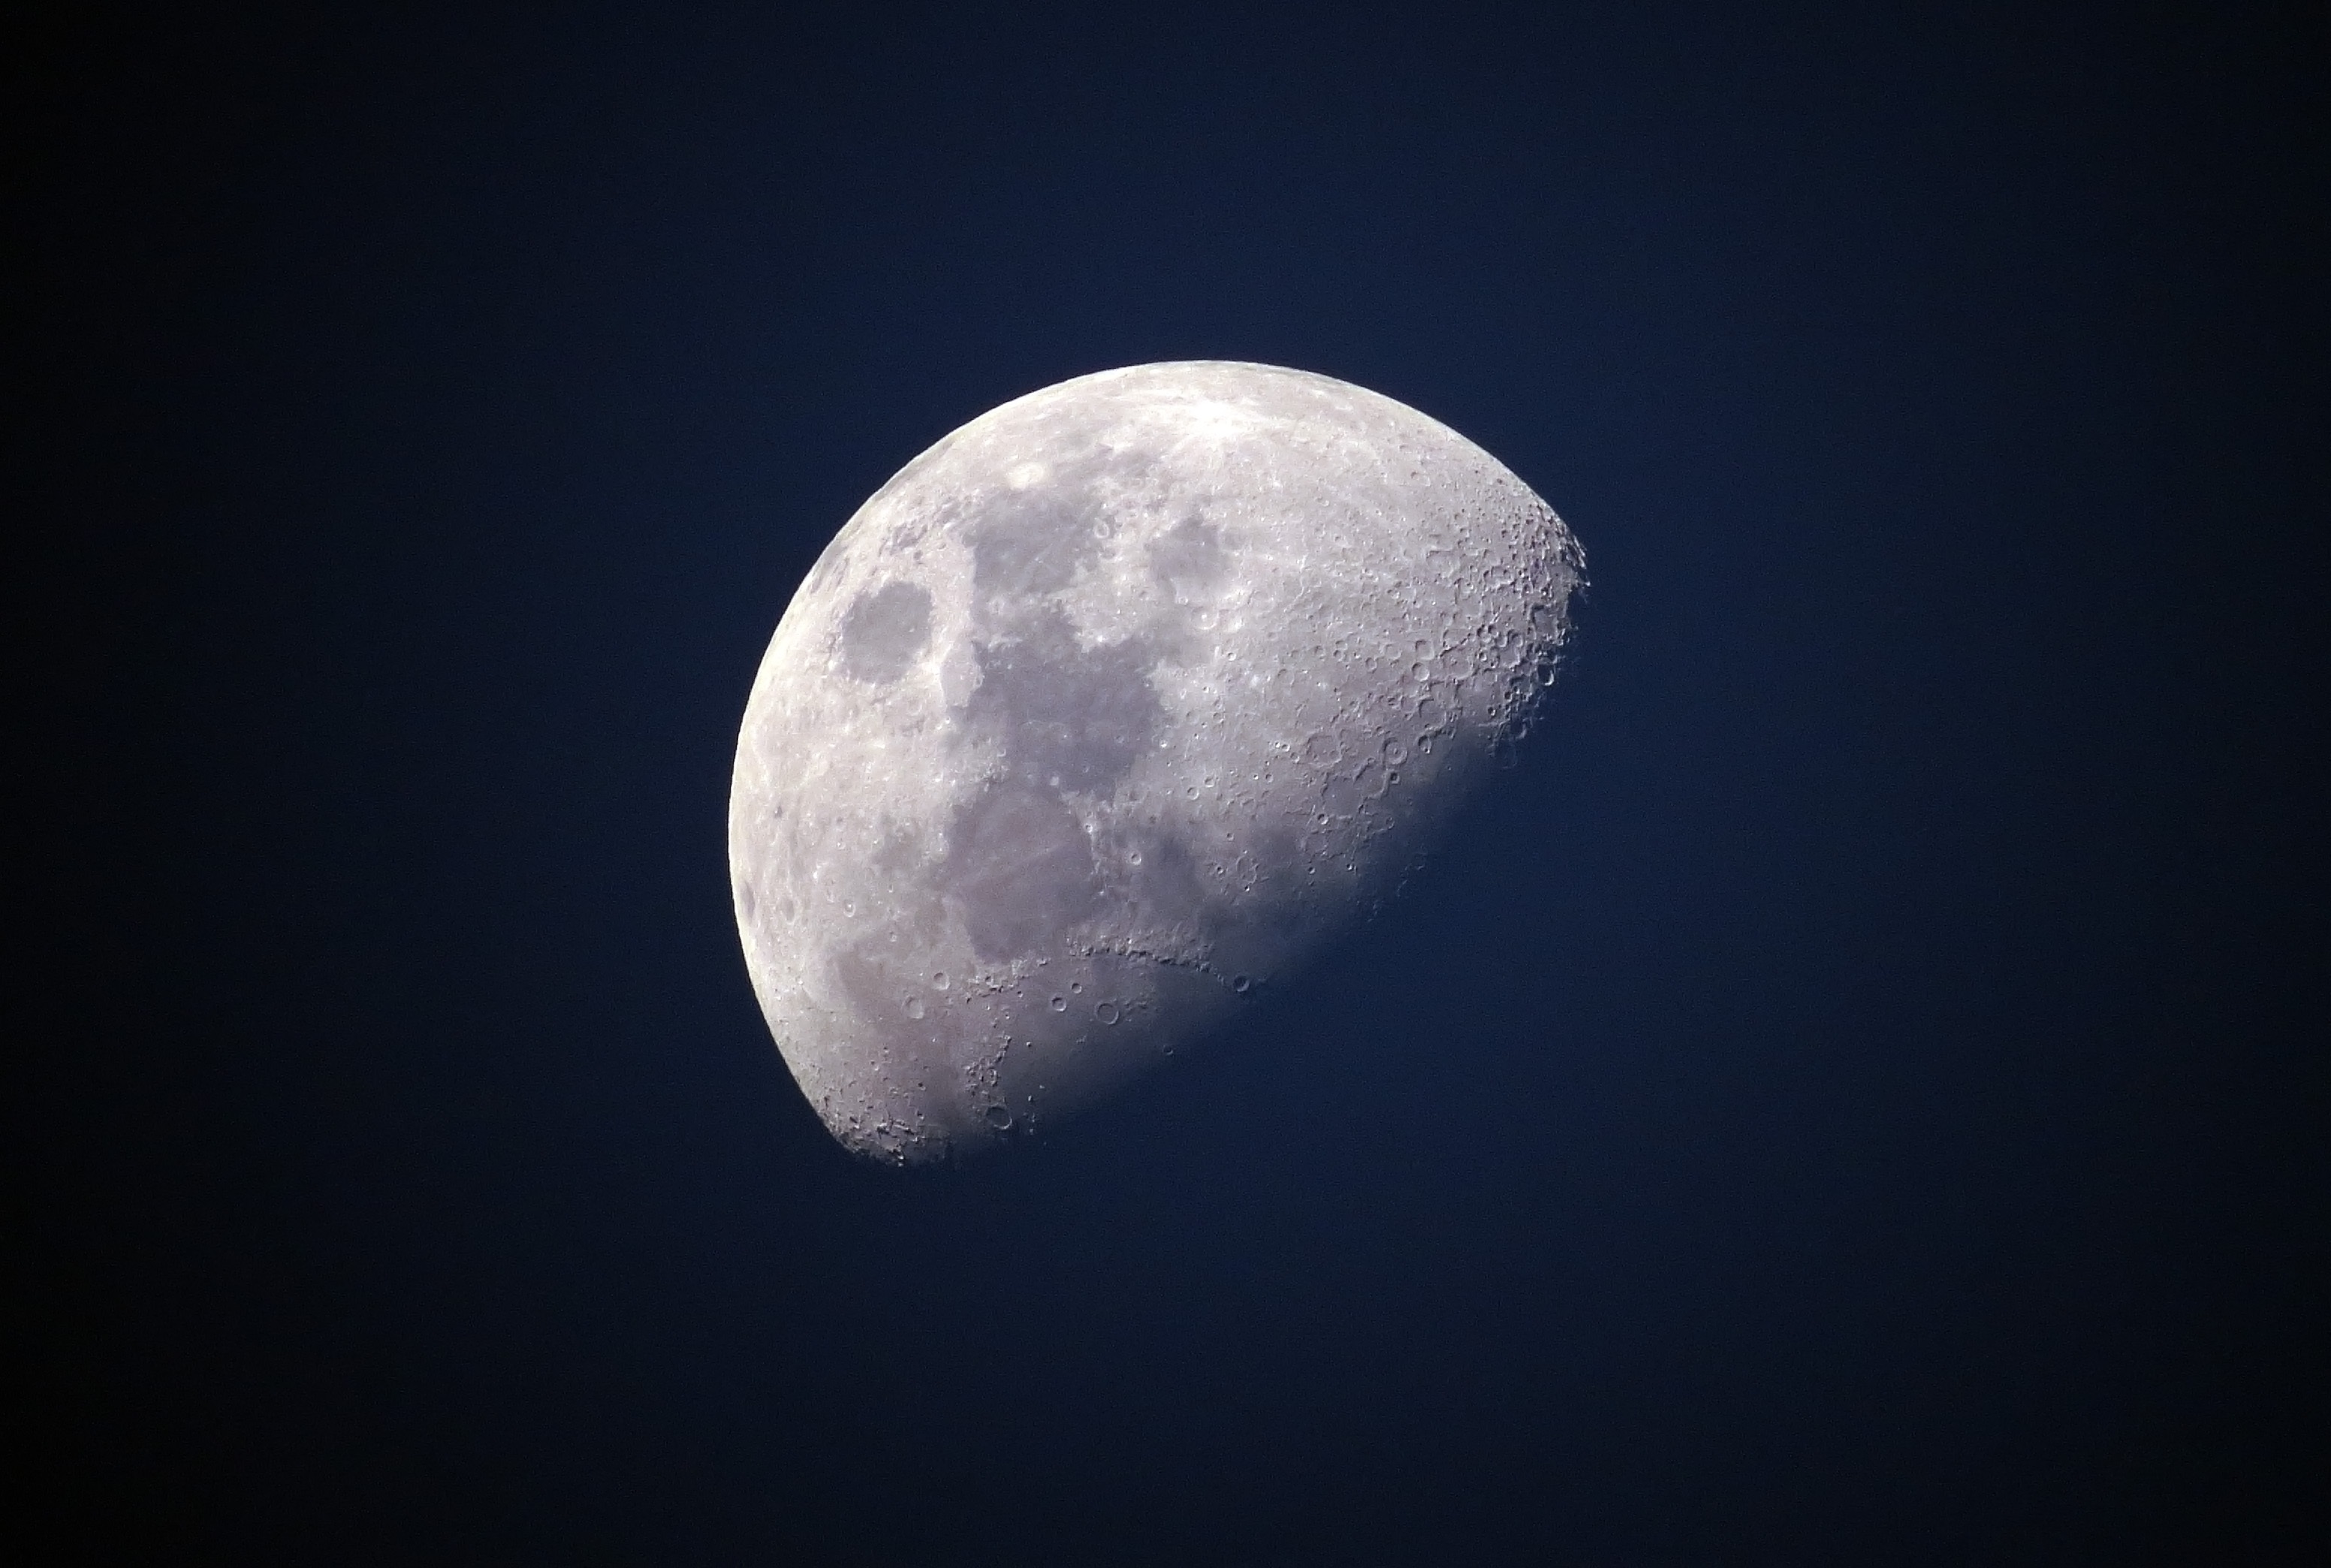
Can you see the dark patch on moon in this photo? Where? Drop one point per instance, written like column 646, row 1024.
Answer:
column 1032, row 541
column 885, row 632
column 1069, row 717
column 1189, row 554
column 1032, row 545
column 873, row 989
column 1168, row 887
column 1278, row 865
column 1238, row 906
column 1018, row 861
column 869, row 987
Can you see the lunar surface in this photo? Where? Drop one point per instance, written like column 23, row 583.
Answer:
column 1104, row 713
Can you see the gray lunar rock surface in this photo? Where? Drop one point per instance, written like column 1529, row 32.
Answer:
column 1102, row 714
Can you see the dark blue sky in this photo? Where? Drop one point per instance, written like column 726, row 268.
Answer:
column 1854, row 1095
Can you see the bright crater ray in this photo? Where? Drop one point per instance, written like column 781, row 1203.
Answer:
column 1101, row 714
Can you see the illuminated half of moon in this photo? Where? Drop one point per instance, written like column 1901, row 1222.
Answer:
column 1104, row 712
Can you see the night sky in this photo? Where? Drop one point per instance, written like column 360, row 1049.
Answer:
column 1855, row 1093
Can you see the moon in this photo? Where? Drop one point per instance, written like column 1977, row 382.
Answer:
column 1101, row 715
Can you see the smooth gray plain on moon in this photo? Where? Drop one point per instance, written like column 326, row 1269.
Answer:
column 1100, row 716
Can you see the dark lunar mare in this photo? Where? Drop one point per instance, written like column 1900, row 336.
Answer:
column 885, row 632
column 1032, row 541
column 1020, row 865
column 1067, row 718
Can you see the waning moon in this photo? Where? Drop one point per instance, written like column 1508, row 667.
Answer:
column 1101, row 714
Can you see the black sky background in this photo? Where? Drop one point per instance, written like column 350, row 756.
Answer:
column 1855, row 1094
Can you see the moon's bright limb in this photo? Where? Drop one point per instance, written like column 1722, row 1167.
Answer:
column 1101, row 714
